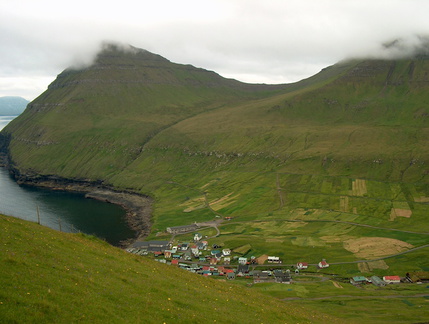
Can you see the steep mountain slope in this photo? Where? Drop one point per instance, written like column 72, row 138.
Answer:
column 12, row 106
column 371, row 121
column 96, row 122
column 92, row 122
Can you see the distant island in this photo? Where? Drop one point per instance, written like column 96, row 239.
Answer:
column 12, row 106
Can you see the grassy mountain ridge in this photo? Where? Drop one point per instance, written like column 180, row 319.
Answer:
column 66, row 278
column 132, row 99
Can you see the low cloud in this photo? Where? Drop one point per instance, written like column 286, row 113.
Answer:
column 253, row 41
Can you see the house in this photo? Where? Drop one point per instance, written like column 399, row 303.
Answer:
column 168, row 254
column 184, row 246
column 187, row 255
column 214, row 252
column 226, row 260
column 195, row 251
column 195, row 267
column 377, row 281
column 392, row 279
column 182, row 229
column 202, row 245
column 282, row 277
column 197, row 237
column 226, row 252
column 302, row 265
column 175, row 262
column 230, row 275
column 213, row 260
column 242, row 269
column 261, row 276
column 358, row 280
column 273, row 259
column 152, row 246
column 242, row 260
column 323, row 264
column 417, row 276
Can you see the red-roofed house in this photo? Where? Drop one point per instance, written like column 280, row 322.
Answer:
column 175, row 262
column 392, row 279
column 323, row 264
column 302, row 265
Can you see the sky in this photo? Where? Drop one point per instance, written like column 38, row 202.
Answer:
column 255, row 41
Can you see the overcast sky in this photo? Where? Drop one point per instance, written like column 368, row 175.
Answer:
column 258, row 41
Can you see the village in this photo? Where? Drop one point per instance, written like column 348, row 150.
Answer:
column 199, row 257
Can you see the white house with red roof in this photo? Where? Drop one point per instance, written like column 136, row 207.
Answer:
column 392, row 279
column 323, row 264
column 302, row 265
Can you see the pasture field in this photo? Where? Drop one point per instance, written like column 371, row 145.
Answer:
column 306, row 218
column 403, row 303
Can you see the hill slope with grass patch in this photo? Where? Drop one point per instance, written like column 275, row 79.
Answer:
column 52, row 277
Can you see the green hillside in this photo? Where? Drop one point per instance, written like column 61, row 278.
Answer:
column 52, row 277
column 307, row 170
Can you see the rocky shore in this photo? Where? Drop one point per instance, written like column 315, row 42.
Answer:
column 138, row 207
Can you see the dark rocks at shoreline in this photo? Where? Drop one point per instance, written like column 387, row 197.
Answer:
column 138, row 207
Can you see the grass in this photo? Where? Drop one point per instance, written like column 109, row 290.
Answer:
column 48, row 276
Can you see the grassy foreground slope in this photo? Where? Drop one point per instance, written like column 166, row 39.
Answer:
column 52, row 277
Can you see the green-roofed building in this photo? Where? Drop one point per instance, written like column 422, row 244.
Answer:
column 358, row 280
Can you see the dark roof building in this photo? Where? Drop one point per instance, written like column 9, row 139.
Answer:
column 152, row 246
column 182, row 229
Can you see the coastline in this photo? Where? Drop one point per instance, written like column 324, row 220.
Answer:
column 138, row 208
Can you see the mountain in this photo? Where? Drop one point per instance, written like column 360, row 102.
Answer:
column 12, row 106
column 333, row 167
column 101, row 122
